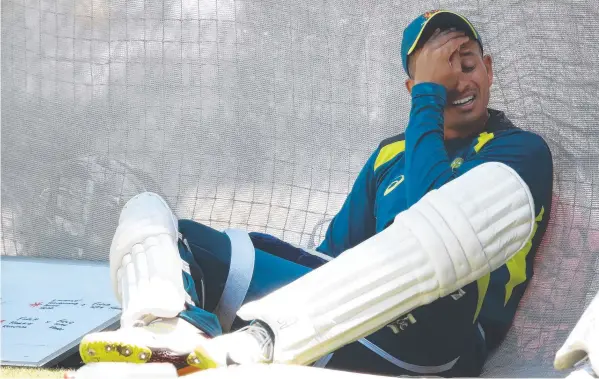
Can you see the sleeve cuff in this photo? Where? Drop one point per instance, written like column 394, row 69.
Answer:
column 430, row 89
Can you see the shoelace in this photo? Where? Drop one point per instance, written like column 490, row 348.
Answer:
column 263, row 335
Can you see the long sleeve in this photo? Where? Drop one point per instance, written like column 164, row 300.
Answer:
column 355, row 222
column 427, row 163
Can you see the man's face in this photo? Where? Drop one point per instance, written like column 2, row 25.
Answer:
column 467, row 103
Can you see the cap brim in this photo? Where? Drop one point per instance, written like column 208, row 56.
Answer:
column 443, row 20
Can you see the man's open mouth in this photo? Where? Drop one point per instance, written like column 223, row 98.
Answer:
column 464, row 101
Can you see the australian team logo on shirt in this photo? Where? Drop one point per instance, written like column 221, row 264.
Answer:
column 457, row 163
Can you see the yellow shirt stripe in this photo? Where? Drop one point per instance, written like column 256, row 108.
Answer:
column 483, row 285
column 483, row 138
column 517, row 265
column 389, row 152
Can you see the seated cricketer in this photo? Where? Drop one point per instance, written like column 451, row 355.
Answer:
column 420, row 272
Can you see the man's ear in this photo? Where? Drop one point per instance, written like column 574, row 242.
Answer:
column 488, row 62
column 409, row 85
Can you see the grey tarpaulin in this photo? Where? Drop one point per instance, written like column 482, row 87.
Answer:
column 259, row 114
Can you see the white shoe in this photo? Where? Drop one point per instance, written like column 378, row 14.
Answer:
column 249, row 345
column 161, row 340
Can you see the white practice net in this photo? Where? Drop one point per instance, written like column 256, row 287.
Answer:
column 259, row 114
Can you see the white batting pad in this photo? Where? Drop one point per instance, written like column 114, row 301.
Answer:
column 451, row 237
column 583, row 341
column 145, row 265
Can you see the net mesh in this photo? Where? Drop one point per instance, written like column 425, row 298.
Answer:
column 259, row 114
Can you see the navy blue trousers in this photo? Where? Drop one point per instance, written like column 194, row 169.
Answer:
column 439, row 339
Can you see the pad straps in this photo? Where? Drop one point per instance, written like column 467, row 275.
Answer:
column 238, row 279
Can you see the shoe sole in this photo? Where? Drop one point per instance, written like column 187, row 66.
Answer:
column 115, row 351
column 112, row 351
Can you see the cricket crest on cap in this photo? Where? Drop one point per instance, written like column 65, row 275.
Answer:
column 430, row 14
